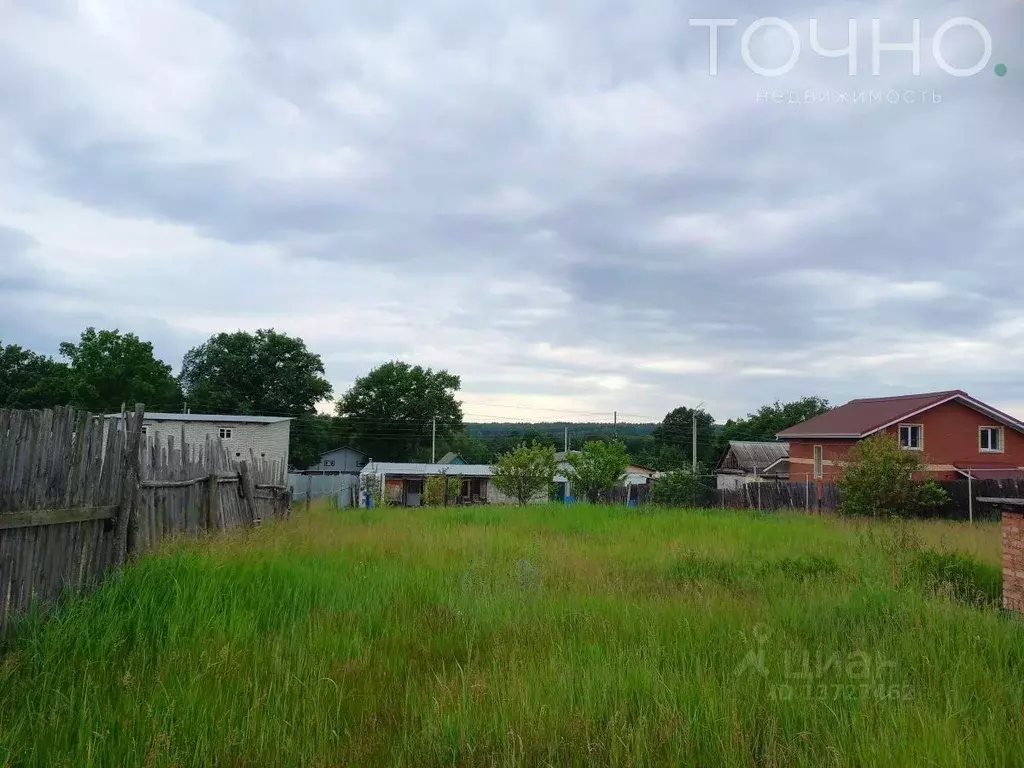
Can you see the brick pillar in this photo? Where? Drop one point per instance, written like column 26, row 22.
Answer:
column 1013, row 561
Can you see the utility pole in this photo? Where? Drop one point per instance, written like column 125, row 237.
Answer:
column 694, row 455
column 694, row 442
column 433, row 440
column 567, row 442
column 615, row 424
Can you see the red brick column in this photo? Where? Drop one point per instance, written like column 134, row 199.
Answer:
column 1013, row 561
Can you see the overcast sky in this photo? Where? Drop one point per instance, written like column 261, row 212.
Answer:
column 555, row 200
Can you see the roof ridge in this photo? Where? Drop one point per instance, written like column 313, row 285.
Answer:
column 909, row 397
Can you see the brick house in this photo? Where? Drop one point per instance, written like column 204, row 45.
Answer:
column 956, row 434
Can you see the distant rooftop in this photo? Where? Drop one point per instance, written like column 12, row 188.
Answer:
column 210, row 417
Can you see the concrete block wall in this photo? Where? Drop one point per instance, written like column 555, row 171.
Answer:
column 1013, row 561
column 267, row 441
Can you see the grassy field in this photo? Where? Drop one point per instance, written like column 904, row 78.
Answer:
column 547, row 636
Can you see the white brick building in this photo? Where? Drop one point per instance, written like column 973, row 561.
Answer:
column 266, row 436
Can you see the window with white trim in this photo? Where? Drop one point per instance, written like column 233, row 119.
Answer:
column 819, row 462
column 911, row 437
column 226, row 433
column 990, row 439
column 145, row 431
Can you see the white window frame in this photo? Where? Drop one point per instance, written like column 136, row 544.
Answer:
column 226, row 433
column 998, row 431
column 819, row 462
column 920, row 440
column 145, row 431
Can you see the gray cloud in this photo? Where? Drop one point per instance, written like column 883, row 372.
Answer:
column 560, row 203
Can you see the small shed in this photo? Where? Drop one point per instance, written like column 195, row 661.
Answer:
column 746, row 462
column 405, row 484
column 342, row 460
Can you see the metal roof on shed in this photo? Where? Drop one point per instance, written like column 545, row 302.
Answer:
column 403, row 468
column 752, row 456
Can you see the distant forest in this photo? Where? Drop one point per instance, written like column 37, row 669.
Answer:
column 488, row 430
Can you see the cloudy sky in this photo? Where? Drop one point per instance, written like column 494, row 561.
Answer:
column 556, row 200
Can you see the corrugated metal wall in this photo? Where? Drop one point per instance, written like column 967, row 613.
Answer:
column 339, row 487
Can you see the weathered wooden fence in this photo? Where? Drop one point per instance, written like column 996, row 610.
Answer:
column 80, row 493
column 190, row 489
column 770, row 496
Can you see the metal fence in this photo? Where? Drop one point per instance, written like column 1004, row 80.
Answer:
column 816, row 496
column 342, row 489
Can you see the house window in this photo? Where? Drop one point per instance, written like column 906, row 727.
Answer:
column 911, row 437
column 819, row 462
column 990, row 439
column 225, row 433
column 145, row 431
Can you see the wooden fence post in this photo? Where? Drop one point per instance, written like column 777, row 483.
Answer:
column 248, row 491
column 129, row 486
column 211, row 503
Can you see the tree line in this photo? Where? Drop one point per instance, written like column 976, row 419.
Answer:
column 392, row 413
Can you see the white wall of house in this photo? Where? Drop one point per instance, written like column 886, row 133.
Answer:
column 733, row 482
column 494, row 496
column 728, row 482
column 266, row 441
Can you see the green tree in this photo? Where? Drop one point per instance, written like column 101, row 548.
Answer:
column 312, row 435
column 471, row 449
column 391, row 409
column 597, row 468
column 526, row 472
column 30, row 380
column 673, row 439
column 108, row 368
column 263, row 373
column 770, row 420
column 529, row 434
column 878, row 480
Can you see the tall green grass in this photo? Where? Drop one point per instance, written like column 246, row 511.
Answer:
column 545, row 636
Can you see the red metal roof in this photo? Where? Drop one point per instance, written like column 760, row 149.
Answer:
column 859, row 418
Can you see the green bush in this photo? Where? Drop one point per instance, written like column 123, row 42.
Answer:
column 681, row 488
column 878, row 481
column 435, row 487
